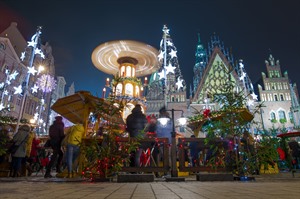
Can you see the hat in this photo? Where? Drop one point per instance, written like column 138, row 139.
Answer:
column 58, row 118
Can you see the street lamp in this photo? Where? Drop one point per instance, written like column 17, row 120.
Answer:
column 182, row 121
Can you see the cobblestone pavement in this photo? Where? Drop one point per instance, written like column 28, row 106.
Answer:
column 264, row 187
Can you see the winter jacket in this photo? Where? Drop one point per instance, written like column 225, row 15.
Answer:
column 29, row 143
column 20, row 139
column 136, row 122
column 56, row 133
column 75, row 135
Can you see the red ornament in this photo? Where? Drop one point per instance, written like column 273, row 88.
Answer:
column 206, row 113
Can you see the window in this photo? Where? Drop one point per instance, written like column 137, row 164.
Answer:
column 273, row 116
column 129, row 89
column 275, row 97
column 282, row 117
column 281, row 97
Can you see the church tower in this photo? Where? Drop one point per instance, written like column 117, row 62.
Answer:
column 200, row 64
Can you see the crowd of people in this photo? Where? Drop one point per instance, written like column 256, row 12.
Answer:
column 65, row 144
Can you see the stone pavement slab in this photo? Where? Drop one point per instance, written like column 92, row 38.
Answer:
column 265, row 187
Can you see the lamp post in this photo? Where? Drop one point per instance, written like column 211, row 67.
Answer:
column 182, row 121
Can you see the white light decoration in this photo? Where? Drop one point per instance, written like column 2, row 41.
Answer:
column 36, row 115
column 179, row 83
column 18, row 90
column 170, row 43
column 250, row 102
column 161, row 74
column 22, row 56
column 5, row 92
column 31, row 43
column 13, row 75
column 1, row 84
column 254, row 96
column 243, row 76
column 31, row 70
column 166, row 30
column 173, row 53
column 46, row 83
column 170, row 69
column 161, row 55
column 34, row 88
column 1, row 106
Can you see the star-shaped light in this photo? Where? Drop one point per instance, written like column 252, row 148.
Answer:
column 243, row 76
column 161, row 74
column 22, row 56
column 254, row 96
column 13, row 75
column 161, row 55
column 169, row 43
column 166, row 30
column 1, row 84
column 32, row 70
column 31, row 43
column 241, row 65
column 18, row 90
column 179, row 83
column 7, row 82
column 173, row 53
column 5, row 92
column 34, row 88
column 6, row 71
column 36, row 116
column 38, row 51
column 1, row 106
column 250, row 102
column 170, row 68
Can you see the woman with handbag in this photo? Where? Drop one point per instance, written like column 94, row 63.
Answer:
column 19, row 139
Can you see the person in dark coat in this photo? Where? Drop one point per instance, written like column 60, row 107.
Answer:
column 295, row 152
column 136, row 122
column 20, row 139
column 56, row 134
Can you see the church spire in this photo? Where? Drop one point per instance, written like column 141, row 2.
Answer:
column 200, row 64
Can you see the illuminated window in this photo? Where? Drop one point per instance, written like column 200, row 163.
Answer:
column 129, row 89
column 137, row 90
column 128, row 71
column 119, row 89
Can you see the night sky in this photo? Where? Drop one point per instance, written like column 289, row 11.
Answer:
column 251, row 28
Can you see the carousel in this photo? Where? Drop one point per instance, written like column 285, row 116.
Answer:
column 126, row 60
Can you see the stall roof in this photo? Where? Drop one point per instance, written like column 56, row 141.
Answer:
column 77, row 107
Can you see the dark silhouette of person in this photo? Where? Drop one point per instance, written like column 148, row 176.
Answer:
column 56, row 134
column 295, row 152
column 136, row 123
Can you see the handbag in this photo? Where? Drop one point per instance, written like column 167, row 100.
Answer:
column 13, row 147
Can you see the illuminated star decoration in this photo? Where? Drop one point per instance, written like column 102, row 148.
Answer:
column 250, row 102
column 166, row 30
column 31, row 70
column 34, row 88
column 161, row 55
column 243, row 76
column 38, row 51
column 254, row 96
column 170, row 43
column 170, row 69
column 161, row 74
column 18, row 90
column 35, row 117
column 1, row 106
column 179, row 83
column 46, row 83
column 13, row 75
column 22, row 56
column 1, row 84
column 173, row 53
column 5, row 92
